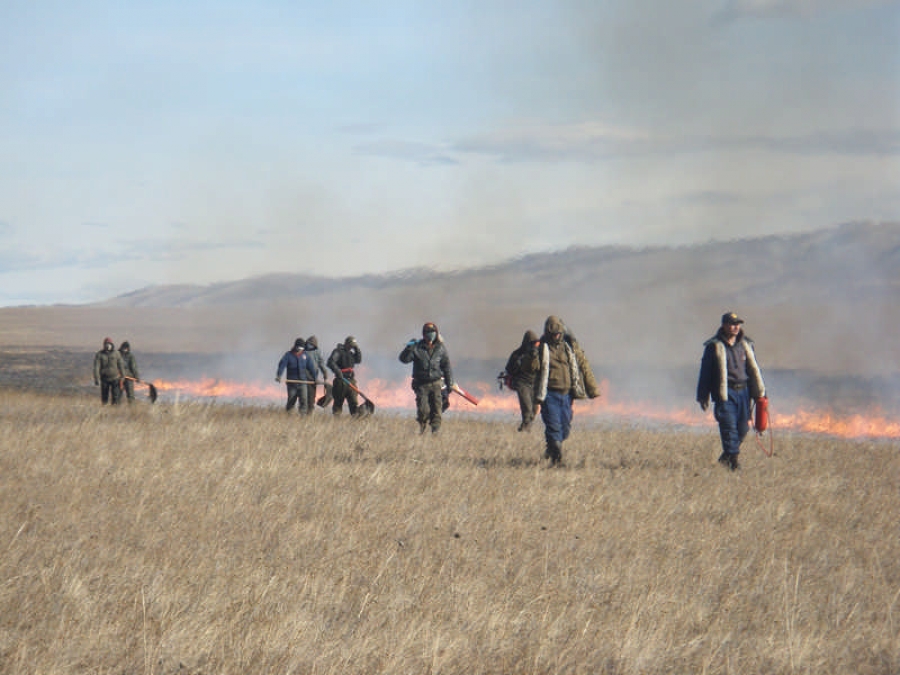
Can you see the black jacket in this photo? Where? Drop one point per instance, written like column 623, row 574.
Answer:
column 430, row 363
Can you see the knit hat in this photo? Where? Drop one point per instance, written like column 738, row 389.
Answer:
column 429, row 326
column 107, row 341
column 299, row 344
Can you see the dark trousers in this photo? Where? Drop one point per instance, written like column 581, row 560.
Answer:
column 429, row 404
column 342, row 392
column 525, row 392
column 129, row 389
column 733, row 417
column 110, row 392
column 297, row 395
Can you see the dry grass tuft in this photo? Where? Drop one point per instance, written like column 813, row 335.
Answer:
column 223, row 539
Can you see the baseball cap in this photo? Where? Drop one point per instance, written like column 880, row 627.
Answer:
column 731, row 318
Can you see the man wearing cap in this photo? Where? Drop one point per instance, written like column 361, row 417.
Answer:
column 730, row 375
column 431, row 372
column 342, row 362
column 108, row 372
column 300, row 371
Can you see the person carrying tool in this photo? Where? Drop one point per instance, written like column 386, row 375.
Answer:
column 108, row 373
column 430, row 364
column 520, row 376
column 300, row 371
column 129, row 370
column 562, row 374
column 312, row 351
column 344, row 358
column 730, row 375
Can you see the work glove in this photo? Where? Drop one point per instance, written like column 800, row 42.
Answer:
column 704, row 405
column 277, row 378
column 412, row 343
column 96, row 383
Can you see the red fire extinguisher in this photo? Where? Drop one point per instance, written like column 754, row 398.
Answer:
column 761, row 422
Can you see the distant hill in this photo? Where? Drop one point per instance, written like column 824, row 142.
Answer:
column 825, row 300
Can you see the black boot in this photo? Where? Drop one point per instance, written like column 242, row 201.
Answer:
column 554, row 453
column 729, row 461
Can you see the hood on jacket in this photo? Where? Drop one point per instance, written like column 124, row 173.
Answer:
column 554, row 324
column 529, row 338
column 312, row 342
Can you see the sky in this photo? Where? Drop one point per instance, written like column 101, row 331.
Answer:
column 169, row 142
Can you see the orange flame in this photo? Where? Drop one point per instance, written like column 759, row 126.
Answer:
column 393, row 395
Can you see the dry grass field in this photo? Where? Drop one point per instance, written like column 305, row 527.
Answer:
column 224, row 539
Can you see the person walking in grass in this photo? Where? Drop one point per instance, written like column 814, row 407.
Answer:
column 129, row 370
column 731, row 377
column 108, row 373
column 300, row 371
column 314, row 353
column 430, row 369
column 563, row 374
column 342, row 362
column 520, row 373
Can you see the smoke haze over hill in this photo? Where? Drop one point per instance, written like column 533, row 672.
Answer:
column 824, row 301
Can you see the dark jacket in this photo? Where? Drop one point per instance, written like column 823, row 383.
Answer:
column 129, row 365
column 298, row 366
column 343, row 359
column 520, row 367
column 430, row 362
column 713, row 379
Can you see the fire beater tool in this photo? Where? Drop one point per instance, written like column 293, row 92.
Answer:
column 367, row 403
column 151, row 389
column 325, row 398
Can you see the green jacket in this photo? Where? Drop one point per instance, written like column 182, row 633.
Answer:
column 108, row 366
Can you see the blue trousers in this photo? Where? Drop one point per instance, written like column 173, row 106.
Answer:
column 733, row 417
column 556, row 413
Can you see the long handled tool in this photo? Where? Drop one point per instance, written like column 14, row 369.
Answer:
column 151, row 393
column 325, row 398
column 367, row 403
column 466, row 395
